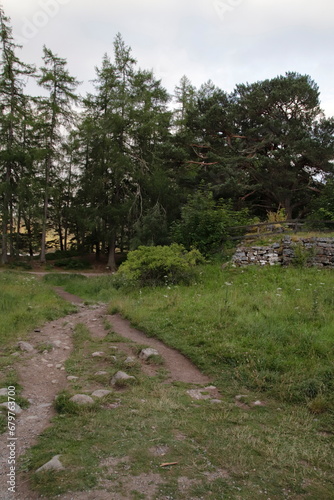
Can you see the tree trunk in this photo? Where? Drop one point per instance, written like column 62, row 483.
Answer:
column 111, row 264
column 4, row 257
column 45, row 210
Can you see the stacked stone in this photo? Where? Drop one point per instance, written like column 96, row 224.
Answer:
column 261, row 255
column 321, row 253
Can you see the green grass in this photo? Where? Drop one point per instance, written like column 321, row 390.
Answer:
column 267, row 329
column 265, row 333
column 25, row 303
column 221, row 450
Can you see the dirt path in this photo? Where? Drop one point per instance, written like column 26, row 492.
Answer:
column 42, row 375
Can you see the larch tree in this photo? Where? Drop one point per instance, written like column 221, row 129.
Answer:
column 13, row 111
column 56, row 112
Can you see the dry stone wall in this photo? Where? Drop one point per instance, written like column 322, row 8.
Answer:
column 315, row 251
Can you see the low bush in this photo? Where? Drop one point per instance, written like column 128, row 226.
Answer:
column 160, row 265
column 72, row 264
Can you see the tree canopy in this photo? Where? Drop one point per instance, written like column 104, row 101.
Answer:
column 130, row 164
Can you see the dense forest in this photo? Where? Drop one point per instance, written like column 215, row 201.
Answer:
column 130, row 165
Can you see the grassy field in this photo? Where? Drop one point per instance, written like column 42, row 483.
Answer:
column 262, row 334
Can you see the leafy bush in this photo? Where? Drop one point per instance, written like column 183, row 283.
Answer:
column 160, row 265
column 204, row 223
column 20, row 264
column 72, row 264
column 62, row 254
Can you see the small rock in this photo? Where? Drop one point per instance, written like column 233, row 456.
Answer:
column 53, row 464
column 101, row 373
column 72, row 377
column 113, row 358
column 59, row 365
column 100, row 393
column 8, row 405
column 50, row 365
column 258, row 403
column 130, row 360
column 120, row 377
column 57, row 343
column 54, row 381
column 197, row 394
column 25, row 346
column 215, row 401
column 66, row 348
column 4, row 391
column 82, row 399
column 97, row 354
column 240, row 396
column 147, row 353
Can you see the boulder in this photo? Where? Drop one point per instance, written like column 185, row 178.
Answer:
column 82, row 399
column 121, row 378
column 147, row 353
column 25, row 346
column 100, row 393
column 53, row 464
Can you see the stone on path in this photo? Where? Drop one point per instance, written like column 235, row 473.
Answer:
column 99, row 354
column 4, row 391
column 25, row 346
column 101, row 373
column 53, row 464
column 100, row 393
column 130, row 360
column 8, row 405
column 121, row 377
column 147, row 353
column 72, row 377
column 82, row 399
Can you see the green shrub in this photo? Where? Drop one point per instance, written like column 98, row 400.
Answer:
column 72, row 264
column 160, row 265
column 206, row 224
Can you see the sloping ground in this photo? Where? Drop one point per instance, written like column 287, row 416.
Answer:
column 43, row 376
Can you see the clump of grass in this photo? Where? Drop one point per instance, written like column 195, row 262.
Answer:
column 44, row 346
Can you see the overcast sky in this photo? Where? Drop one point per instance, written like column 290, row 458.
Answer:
column 227, row 41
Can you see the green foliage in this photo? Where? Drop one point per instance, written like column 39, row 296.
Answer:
column 20, row 264
column 151, row 229
column 62, row 254
column 322, row 208
column 302, row 255
column 72, row 264
column 160, row 265
column 205, row 224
